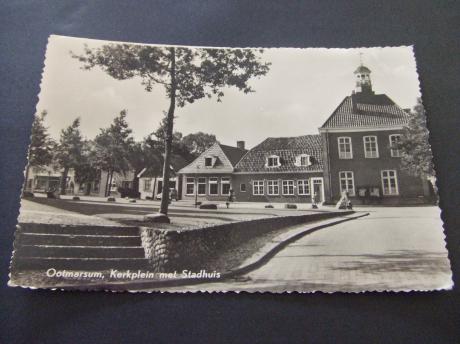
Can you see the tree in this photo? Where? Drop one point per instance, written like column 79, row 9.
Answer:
column 40, row 148
column 69, row 151
column 144, row 154
column 187, row 75
column 197, row 143
column 112, row 147
column 87, row 171
column 416, row 155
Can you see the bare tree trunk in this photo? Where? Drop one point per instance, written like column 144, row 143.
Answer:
column 106, row 193
column 26, row 180
column 169, row 133
column 109, row 179
column 154, row 188
column 63, row 181
column 88, row 189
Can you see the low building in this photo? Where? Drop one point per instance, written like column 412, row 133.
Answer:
column 151, row 179
column 281, row 169
column 209, row 177
column 41, row 179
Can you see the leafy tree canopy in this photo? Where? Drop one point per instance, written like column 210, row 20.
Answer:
column 198, row 72
column 198, row 142
column 69, row 149
column 113, row 144
column 416, row 155
column 40, row 149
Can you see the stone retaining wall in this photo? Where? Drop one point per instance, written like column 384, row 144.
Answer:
column 169, row 250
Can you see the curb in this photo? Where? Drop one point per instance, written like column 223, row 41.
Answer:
column 258, row 259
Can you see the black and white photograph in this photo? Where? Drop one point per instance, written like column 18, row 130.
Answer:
column 187, row 168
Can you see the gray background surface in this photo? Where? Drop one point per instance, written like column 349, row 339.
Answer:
column 77, row 317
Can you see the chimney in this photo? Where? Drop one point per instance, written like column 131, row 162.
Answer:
column 240, row 145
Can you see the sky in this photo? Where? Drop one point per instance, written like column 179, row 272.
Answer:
column 298, row 94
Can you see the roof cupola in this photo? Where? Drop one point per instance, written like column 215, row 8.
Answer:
column 363, row 78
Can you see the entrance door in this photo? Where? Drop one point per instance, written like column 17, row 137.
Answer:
column 318, row 189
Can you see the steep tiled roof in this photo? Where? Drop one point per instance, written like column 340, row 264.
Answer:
column 234, row 154
column 287, row 148
column 366, row 110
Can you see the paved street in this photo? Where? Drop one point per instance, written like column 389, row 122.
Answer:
column 392, row 248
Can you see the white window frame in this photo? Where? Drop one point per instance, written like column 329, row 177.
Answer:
column 346, row 141
column 271, row 185
column 213, row 181
column 298, row 160
column 241, row 189
column 302, row 185
column 256, row 185
column 225, row 181
column 371, row 154
column 147, row 185
column 189, row 181
column 198, row 186
column 392, row 191
column 395, row 152
column 347, row 176
column 288, row 184
column 267, row 163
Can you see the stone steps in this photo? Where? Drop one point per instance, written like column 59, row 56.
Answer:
column 78, row 229
column 85, row 264
column 81, row 251
column 78, row 247
column 76, row 240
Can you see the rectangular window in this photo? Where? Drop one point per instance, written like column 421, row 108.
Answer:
column 288, row 187
column 303, row 187
column 258, row 187
column 225, row 185
column 201, row 186
column 389, row 182
column 208, row 162
column 273, row 187
column 273, row 161
column 345, row 149
column 242, row 187
column 147, row 184
column 213, row 186
column 304, row 160
column 394, row 145
column 347, row 182
column 190, row 186
column 371, row 149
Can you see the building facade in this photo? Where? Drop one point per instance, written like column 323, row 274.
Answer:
column 360, row 149
column 356, row 152
column 281, row 169
column 210, row 176
column 151, row 179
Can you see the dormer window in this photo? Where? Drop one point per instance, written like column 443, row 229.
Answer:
column 209, row 161
column 303, row 160
column 273, row 161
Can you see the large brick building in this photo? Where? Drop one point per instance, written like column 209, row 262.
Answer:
column 360, row 152
column 356, row 152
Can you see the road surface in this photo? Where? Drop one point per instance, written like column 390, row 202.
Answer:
column 400, row 248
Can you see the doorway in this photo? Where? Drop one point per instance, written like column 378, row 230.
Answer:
column 318, row 189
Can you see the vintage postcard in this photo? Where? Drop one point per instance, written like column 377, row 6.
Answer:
column 184, row 169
